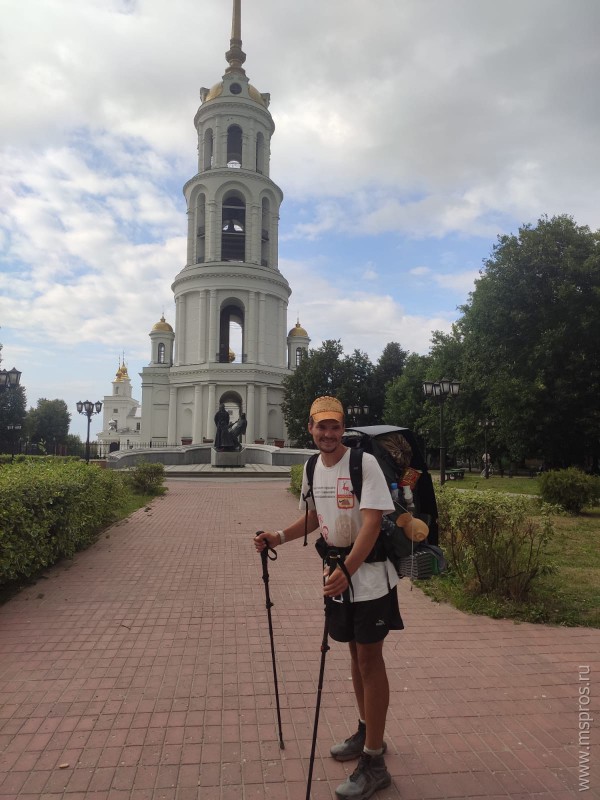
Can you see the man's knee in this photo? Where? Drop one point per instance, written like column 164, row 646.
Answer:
column 370, row 659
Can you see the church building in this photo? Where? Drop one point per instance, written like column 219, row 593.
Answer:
column 230, row 342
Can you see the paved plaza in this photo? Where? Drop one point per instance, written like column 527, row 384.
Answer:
column 142, row 670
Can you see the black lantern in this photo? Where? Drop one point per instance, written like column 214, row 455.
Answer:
column 9, row 379
column 357, row 413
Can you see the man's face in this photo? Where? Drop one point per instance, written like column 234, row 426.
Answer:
column 327, row 434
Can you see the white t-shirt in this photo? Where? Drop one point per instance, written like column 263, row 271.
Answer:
column 340, row 519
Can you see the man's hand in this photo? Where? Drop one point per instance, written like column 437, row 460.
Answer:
column 264, row 539
column 334, row 584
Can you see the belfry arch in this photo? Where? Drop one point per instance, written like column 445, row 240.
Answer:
column 208, row 148
column 233, row 227
column 232, row 313
column 200, row 228
column 234, row 146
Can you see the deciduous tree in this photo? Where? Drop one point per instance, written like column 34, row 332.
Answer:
column 48, row 422
column 389, row 367
column 530, row 331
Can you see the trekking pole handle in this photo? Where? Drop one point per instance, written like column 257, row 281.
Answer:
column 268, row 551
column 333, row 561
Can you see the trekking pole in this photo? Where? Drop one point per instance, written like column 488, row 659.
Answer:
column 269, row 554
column 332, row 559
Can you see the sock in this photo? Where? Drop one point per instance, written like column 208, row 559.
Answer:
column 378, row 752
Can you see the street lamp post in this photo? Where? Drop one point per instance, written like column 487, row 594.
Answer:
column 485, row 424
column 424, row 434
column 16, row 429
column 10, row 379
column 89, row 409
column 440, row 391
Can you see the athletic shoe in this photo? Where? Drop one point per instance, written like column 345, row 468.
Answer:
column 369, row 776
column 353, row 746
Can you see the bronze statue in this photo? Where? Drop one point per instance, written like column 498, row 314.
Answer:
column 237, row 429
column 223, row 439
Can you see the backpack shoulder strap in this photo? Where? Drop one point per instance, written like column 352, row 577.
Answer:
column 356, row 472
column 310, row 474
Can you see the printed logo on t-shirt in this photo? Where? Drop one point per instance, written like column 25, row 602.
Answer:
column 344, row 494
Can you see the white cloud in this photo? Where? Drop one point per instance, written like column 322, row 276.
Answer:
column 369, row 272
column 362, row 320
column 463, row 282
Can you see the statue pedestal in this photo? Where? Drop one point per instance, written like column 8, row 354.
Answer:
column 227, row 458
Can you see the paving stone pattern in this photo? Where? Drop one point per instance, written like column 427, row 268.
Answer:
column 142, row 670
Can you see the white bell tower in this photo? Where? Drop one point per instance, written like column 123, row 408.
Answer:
column 231, row 299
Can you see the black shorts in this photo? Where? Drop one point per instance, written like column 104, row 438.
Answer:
column 365, row 622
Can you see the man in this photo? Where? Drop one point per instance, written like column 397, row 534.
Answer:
column 363, row 612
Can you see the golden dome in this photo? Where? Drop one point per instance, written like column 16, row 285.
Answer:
column 122, row 374
column 256, row 95
column 216, row 90
column 161, row 325
column 298, row 330
column 253, row 94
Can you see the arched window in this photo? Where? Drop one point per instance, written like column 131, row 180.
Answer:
column 233, row 229
column 200, row 229
column 208, row 148
column 234, row 146
column 260, row 153
column 300, row 353
column 265, row 232
column 161, row 353
column 231, row 334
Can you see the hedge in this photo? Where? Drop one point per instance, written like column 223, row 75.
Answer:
column 571, row 489
column 492, row 541
column 51, row 509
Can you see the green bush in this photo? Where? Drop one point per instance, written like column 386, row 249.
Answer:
column 296, row 471
column 492, row 544
column 51, row 509
column 570, row 488
column 148, row 478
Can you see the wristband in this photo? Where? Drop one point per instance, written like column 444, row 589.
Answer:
column 281, row 537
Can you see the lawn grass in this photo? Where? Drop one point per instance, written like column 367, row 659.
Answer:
column 575, row 588
column 570, row 595
column 520, row 484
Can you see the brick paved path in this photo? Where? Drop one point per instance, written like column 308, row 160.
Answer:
column 142, row 670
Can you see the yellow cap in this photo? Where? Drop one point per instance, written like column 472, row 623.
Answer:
column 327, row 408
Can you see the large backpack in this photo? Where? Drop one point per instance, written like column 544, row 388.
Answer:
column 398, row 455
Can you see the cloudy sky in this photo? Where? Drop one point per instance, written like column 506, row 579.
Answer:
column 409, row 134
